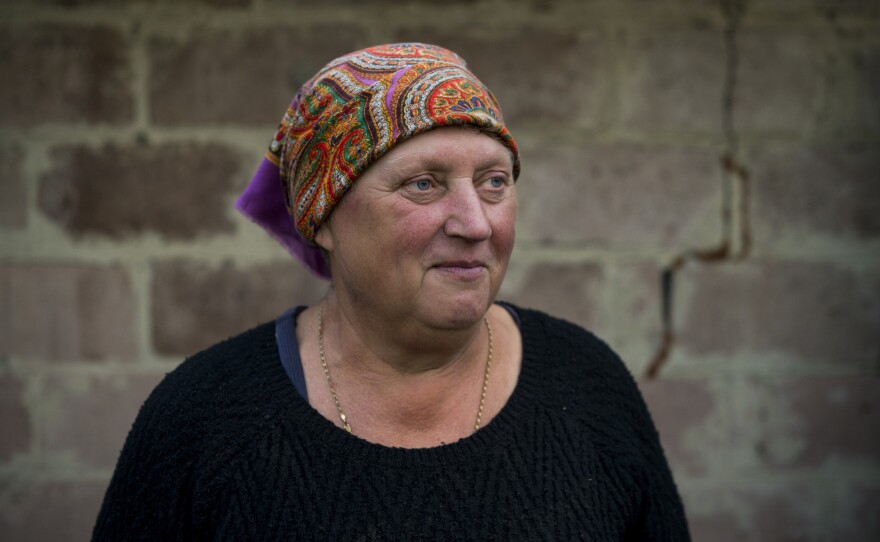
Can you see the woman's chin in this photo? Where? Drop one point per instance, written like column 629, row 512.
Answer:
column 459, row 311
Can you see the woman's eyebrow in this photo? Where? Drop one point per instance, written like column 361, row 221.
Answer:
column 439, row 162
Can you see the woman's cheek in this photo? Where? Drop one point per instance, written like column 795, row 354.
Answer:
column 415, row 228
column 505, row 224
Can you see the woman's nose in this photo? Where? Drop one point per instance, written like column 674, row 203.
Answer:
column 466, row 214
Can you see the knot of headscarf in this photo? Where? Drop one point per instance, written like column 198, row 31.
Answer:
column 346, row 117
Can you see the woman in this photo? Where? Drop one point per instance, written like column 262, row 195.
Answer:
column 407, row 404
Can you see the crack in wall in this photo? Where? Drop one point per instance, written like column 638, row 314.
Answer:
column 736, row 238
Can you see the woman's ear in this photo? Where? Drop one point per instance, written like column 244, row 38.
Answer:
column 324, row 236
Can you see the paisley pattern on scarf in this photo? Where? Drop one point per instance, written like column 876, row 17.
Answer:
column 362, row 104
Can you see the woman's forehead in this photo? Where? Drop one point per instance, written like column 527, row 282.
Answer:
column 445, row 148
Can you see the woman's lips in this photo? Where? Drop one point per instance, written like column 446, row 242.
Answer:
column 461, row 269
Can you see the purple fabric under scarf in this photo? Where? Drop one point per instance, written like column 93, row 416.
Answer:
column 263, row 203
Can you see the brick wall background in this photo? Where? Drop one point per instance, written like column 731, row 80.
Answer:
column 729, row 150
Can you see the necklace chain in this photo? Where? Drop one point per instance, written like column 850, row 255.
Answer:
column 485, row 377
column 344, row 419
column 341, row 412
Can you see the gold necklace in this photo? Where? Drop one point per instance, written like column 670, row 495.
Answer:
column 342, row 417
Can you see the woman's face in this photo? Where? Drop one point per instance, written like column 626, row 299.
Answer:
column 427, row 231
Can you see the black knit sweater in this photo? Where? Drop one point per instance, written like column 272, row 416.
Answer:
column 225, row 449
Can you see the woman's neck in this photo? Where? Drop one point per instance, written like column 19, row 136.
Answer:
column 408, row 389
column 426, row 401
column 381, row 348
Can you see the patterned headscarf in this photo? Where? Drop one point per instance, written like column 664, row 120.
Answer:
column 347, row 116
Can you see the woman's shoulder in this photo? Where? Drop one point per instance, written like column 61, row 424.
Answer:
column 228, row 364
column 187, row 434
column 229, row 383
column 545, row 335
column 574, row 368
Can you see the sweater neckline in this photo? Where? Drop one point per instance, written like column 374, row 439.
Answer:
column 492, row 437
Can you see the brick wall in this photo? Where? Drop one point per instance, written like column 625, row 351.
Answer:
column 701, row 186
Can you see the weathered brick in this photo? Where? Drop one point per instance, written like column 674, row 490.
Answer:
column 66, row 312
column 565, row 290
column 853, row 87
column 240, row 76
column 620, row 303
column 717, row 527
column 38, row 512
column 380, row 3
column 857, row 516
column 809, row 311
column 808, row 421
column 815, row 192
column 195, row 305
column 635, row 313
column 779, row 81
column 176, row 190
column 532, row 86
column 844, row 508
column 620, row 196
column 60, row 73
column 88, row 417
column 789, row 511
column 227, row 3
column 13, row 204
column 126, row 3
column 15, row 421
column 830, row 8
column 674, row 82
column 690, row 424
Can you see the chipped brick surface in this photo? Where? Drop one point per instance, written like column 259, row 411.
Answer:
column 66, row 312
column 687, row 417
column 830, row 9
column 40, row 512
column 384, row 3
column 673, row 82
column 859, row 510
column 241, row 75
column 812, row 312
column 721, row 527
column 15, row 421
column 620, row 196
column 87, row 418
column 810, row 421
column 760, row 512
column 853, row 84
column 800, row 509
column 633, row 313
column 58, row 73
column 778, row 89
column 569, row 291
column 195, row 305
column 13, row 204
column 178, row 191
column 597, row 297
column 127, row 3
column 816, row 192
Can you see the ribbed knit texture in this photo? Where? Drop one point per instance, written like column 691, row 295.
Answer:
column 225, row 449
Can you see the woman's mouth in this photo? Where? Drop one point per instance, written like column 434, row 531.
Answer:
column 462, row 269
